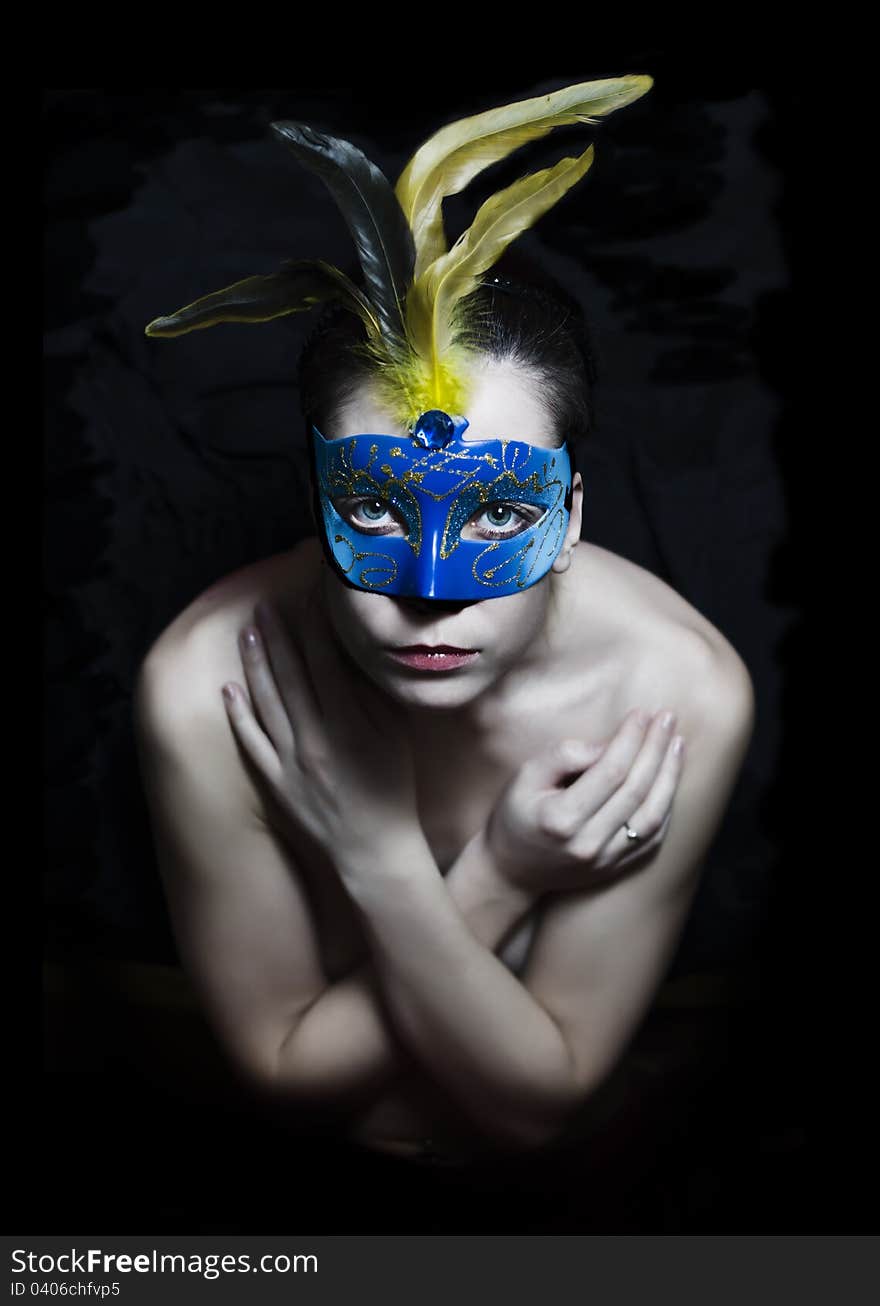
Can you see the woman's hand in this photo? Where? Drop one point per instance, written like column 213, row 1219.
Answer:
column 326, row 747
column 561, row 824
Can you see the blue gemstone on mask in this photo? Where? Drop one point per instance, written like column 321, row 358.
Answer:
column 433, row 430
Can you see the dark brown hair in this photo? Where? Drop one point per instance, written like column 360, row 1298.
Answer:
column 525, row 316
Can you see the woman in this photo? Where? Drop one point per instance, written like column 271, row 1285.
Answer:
column 429, row 864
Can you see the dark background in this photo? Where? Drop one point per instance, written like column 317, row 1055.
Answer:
column 170, row 464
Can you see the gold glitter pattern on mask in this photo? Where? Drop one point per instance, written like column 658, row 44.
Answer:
column 514, row 563
column 513, row 486
column 343, row 479
column 387, row 564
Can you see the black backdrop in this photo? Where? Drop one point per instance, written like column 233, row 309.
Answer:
column 170, row 464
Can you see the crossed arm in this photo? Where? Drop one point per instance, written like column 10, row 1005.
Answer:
column 514, row 1056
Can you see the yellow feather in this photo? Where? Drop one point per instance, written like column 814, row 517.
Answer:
column 297, row 287
column 428, row 365
column 411, row 384
column 434, row 376
column 453, row 156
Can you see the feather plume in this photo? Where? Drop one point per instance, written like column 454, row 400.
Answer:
column 372, row 211
column 437, row 311
column 458, row 152
column 298, row 286
column 416, row 301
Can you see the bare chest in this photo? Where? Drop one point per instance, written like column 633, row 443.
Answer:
column 605, row 669
column 459, row 781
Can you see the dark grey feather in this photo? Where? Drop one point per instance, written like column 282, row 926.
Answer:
column 372, row 211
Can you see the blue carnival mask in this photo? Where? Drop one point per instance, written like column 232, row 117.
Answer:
column 438, row 517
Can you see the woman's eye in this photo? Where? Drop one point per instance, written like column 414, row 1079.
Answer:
column 372, row 516
column 501, row 521
column 500, row 514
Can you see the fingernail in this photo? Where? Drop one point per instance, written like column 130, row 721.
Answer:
column 678, row 744
column 667, row 719
column 229, row 693
column 250, row 638
column 642, row 719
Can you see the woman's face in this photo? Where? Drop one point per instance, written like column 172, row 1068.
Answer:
column 497, row 632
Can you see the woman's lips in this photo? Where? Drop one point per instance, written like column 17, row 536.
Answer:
column 437, row 657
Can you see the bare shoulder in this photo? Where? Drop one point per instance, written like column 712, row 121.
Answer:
column 178, row 706
column 678, row 659
column 672, row 654
column 197, row 652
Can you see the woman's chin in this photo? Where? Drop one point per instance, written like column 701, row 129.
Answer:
column 431, row 690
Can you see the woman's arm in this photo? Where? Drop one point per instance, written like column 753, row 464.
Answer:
column 242, row 915
column 518, row 1058
column 343, row 1043
column 499, row 1053
column 243, row 925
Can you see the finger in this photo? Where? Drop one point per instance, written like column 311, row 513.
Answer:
column 607, row 823
column 567, row 811
column 650, row 820
column 557, row 763
column 290, row 672
column 265, row 696
column 249, row 733
column 542, row 778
